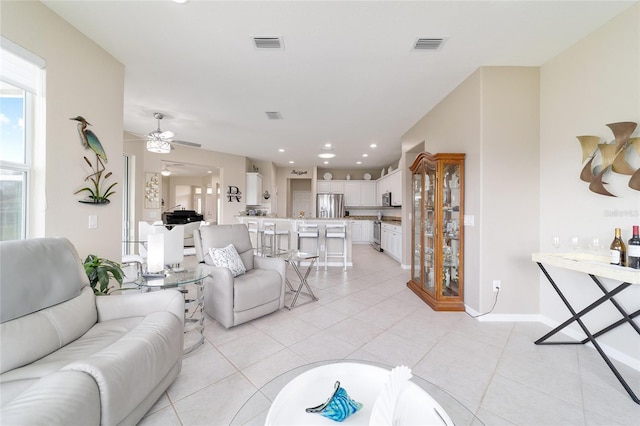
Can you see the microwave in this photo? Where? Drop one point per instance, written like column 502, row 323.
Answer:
column 386, row 199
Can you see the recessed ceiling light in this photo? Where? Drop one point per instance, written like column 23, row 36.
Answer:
column 209, row 171
column 373, row 145
column 365, row 155
column 358, row 162
column 326, row 155
column 180, row 1
column 327, row 145
column 290, row 162
column 325, row 162
column 281, row 150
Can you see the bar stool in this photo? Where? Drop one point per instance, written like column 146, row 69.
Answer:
column 306, row 230
column 254, row 228
column 335, row 231
column 274, row 235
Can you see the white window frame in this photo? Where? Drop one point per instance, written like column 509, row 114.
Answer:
column 32, row 81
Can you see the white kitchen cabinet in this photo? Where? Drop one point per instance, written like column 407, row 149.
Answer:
column 395, row 187
column 391, row 183
column 361, row 231
column 359, row 193
column 352, row 191
column 253, row 197
column 357, row 231
column 368, row 193
column 391, row 240
column 330, row 186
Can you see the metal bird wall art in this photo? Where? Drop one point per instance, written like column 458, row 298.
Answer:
column 612, row 157
column 89, row 140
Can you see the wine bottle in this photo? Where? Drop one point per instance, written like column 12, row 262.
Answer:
column 617, row 250
column 633, row 259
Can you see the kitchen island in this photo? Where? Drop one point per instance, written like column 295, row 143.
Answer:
column 308, row 245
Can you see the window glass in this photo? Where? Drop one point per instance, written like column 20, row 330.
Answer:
column 21, row 117
column 12, row 119
column 13, row 190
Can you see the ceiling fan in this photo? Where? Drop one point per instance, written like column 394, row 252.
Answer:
column 160, row 142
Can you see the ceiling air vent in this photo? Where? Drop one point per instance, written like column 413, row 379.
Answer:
column 273, row 115
column 268, row 42
column 428, row 43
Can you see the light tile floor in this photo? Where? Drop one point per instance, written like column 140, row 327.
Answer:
column 368, row 313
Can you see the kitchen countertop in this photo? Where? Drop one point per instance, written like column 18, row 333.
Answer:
column 387, row 219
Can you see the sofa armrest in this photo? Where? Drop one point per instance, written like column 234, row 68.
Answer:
column 219, row 294
column 128, row 370
column 60, row 398
column 221, row 276
column 140, row 305
column 273, row 263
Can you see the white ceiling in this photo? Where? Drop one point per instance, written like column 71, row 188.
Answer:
column 347, row 74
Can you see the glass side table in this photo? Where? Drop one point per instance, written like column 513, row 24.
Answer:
column 295, row 258
column 194, row 302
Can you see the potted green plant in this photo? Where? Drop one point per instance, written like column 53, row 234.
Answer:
column 100, row 271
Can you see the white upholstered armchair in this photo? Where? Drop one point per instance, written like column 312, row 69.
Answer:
column 234, row 300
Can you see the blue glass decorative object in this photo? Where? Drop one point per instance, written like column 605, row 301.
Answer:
column 338, row 407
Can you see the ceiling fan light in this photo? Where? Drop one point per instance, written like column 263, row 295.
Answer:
column 158, row 146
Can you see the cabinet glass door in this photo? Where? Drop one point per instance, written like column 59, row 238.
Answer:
column 429, row 227
column 450, row 230
column 416, row 191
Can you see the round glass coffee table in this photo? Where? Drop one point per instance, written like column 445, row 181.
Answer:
column 284, row 399
column 193, row 299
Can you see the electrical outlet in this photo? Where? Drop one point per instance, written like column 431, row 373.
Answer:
column 496, row 285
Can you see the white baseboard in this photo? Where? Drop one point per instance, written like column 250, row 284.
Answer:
column 571, row 333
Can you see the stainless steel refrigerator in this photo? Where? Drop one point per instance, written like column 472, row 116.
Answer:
column 329, row 206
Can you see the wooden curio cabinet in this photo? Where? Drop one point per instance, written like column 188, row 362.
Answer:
column 437, row 230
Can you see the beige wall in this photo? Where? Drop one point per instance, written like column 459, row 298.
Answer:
column 492, row 117
column 518, row 127
column 454, row 125
column 81, row 79
column 595, row 82
column 510, row 193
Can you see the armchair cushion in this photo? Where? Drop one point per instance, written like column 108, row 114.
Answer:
column 229, row 258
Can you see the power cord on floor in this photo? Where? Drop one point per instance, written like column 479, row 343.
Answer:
column 490, row 310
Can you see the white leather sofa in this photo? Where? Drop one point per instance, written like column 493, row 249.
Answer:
column 233, row 301
column 68, row 357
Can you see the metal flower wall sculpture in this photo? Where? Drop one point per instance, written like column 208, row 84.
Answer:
column 89, row 140
column 612, row 157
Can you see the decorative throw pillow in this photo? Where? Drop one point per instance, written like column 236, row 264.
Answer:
column 229, row 258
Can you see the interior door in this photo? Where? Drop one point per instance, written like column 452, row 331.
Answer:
column 301, row 203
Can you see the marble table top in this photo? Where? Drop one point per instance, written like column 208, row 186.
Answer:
column 589, row 263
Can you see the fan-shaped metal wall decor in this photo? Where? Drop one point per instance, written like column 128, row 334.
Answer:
column 612, row 157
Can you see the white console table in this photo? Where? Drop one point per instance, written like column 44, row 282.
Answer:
column 595, row 266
